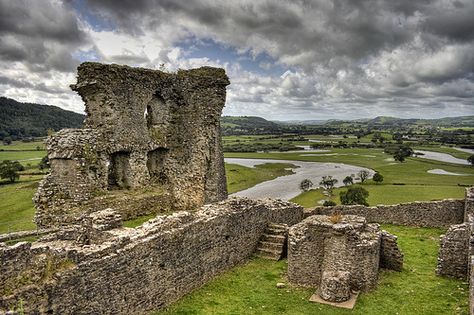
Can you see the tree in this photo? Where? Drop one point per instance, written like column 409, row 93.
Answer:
column 401, row 152
column 328, row 183
column 348, row 181
column 354, row 196
column 9, row 170
column 306, row 184
column 378, row 178
column 399, row 157
column 470, row 159
column 363, row 175
column 44, row 163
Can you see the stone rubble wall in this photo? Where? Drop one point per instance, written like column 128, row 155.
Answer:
column 317, row 247
column 134, row 271
column 144, row 129
column 424, row 214
column 391, row 257
column 469, row 216
column 454, row 252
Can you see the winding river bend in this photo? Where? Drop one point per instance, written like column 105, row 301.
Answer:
column 287, row 187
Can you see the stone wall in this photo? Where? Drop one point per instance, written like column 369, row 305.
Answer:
column 425, row 214
column 145, row 131
column 133, row 271
column 469, row 216
column 318, row 248
column 391, row 257
column 454, row 252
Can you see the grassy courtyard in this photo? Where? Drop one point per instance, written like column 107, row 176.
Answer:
column 251, row 288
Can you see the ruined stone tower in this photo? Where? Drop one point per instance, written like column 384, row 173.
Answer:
column 151, row 142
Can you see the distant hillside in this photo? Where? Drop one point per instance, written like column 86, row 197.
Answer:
column 392, row 122
column 242, row 125
column 249, row 125
column 25, row 120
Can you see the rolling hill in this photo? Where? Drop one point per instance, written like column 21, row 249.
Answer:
column 26, row 120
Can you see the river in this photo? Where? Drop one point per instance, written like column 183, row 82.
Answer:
column 287, row 187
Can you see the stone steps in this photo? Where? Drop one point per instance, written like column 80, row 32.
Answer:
column 272, row 245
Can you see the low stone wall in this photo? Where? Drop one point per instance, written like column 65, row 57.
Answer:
column 129, row 271
column 454, row 252
column 391, row 257
column 425, row 214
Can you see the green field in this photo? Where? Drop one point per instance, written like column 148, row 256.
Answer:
column 16, row 206
column 251, row 288
column 20, row 145
column 386, row 194
column 241, row 177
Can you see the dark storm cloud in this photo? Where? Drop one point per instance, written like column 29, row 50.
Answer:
column 456, row 23
column 40, row 34
column 343, row 57
column 320, row 30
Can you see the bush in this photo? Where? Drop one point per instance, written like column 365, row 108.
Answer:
column 378, row 178
column 329, row 203
column 354, row 196
column 336, row 217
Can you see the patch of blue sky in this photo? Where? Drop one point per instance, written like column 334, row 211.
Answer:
column 261, row 63
column 95, row 20
column 86, row 55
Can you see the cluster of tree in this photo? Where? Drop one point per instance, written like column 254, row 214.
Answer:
column 9, row 170
column 25, row 120
column 400, row 152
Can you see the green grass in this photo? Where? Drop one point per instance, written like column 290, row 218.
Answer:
column 250, row 288
column 20, row 145
column 16, row 206
column 25, row 157
column 138, row 221
column 457, row 128
column 241, row 177
column 386, row 194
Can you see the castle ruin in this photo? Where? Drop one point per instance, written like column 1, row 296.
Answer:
column 151, row 139
column 151, row 145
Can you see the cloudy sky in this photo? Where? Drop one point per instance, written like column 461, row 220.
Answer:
column 292, row 59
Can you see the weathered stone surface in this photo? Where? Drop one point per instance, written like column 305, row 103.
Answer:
column 391, row 257
column 318, row 247
column 335, row 286
column 147, row 131
column 454, row 252
column 134, row 271
column 426, row 214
